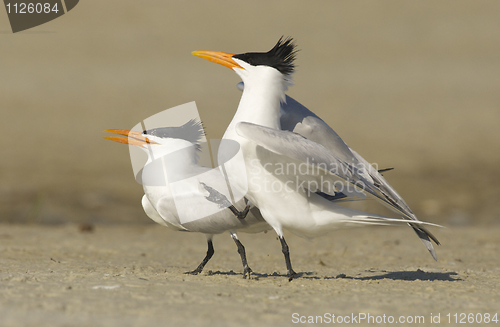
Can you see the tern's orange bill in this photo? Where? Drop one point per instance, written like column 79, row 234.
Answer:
column 222, row 58
column 132, row 137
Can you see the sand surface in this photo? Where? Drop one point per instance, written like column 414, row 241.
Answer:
column 132, row 275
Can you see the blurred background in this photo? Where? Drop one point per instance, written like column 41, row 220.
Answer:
column 413, row 85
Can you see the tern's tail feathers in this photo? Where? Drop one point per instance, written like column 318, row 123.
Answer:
column 381, row 220
column 424, row 236
column 417, row 225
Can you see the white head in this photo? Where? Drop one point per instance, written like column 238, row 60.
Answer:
column 271, row 69
column 159, row 142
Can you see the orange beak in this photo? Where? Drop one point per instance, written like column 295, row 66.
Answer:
column 132, row 137
column 222, row 58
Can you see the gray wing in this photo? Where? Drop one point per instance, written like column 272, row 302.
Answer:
column 352, row 170
column 294, row 117
column 297, row 118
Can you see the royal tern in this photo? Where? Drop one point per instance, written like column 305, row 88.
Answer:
column 274, row 131
column 172, row 163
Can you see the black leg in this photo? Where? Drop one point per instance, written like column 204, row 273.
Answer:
column 238, row 214
column 286, row 253
column 210, row 253
column 241, row 251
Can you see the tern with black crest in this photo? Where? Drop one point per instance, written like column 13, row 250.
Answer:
column 277, row 136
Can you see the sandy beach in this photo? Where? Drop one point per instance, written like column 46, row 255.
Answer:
column 119, row 275
column 133, row 276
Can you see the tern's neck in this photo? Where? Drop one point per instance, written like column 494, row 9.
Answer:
column 177, row 156
column 260, row 102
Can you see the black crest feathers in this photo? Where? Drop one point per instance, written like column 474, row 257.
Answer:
column 280, row 57
column 191, row 131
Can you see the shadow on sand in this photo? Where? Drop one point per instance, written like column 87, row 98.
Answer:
column 394, row 275
column 409, row 276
